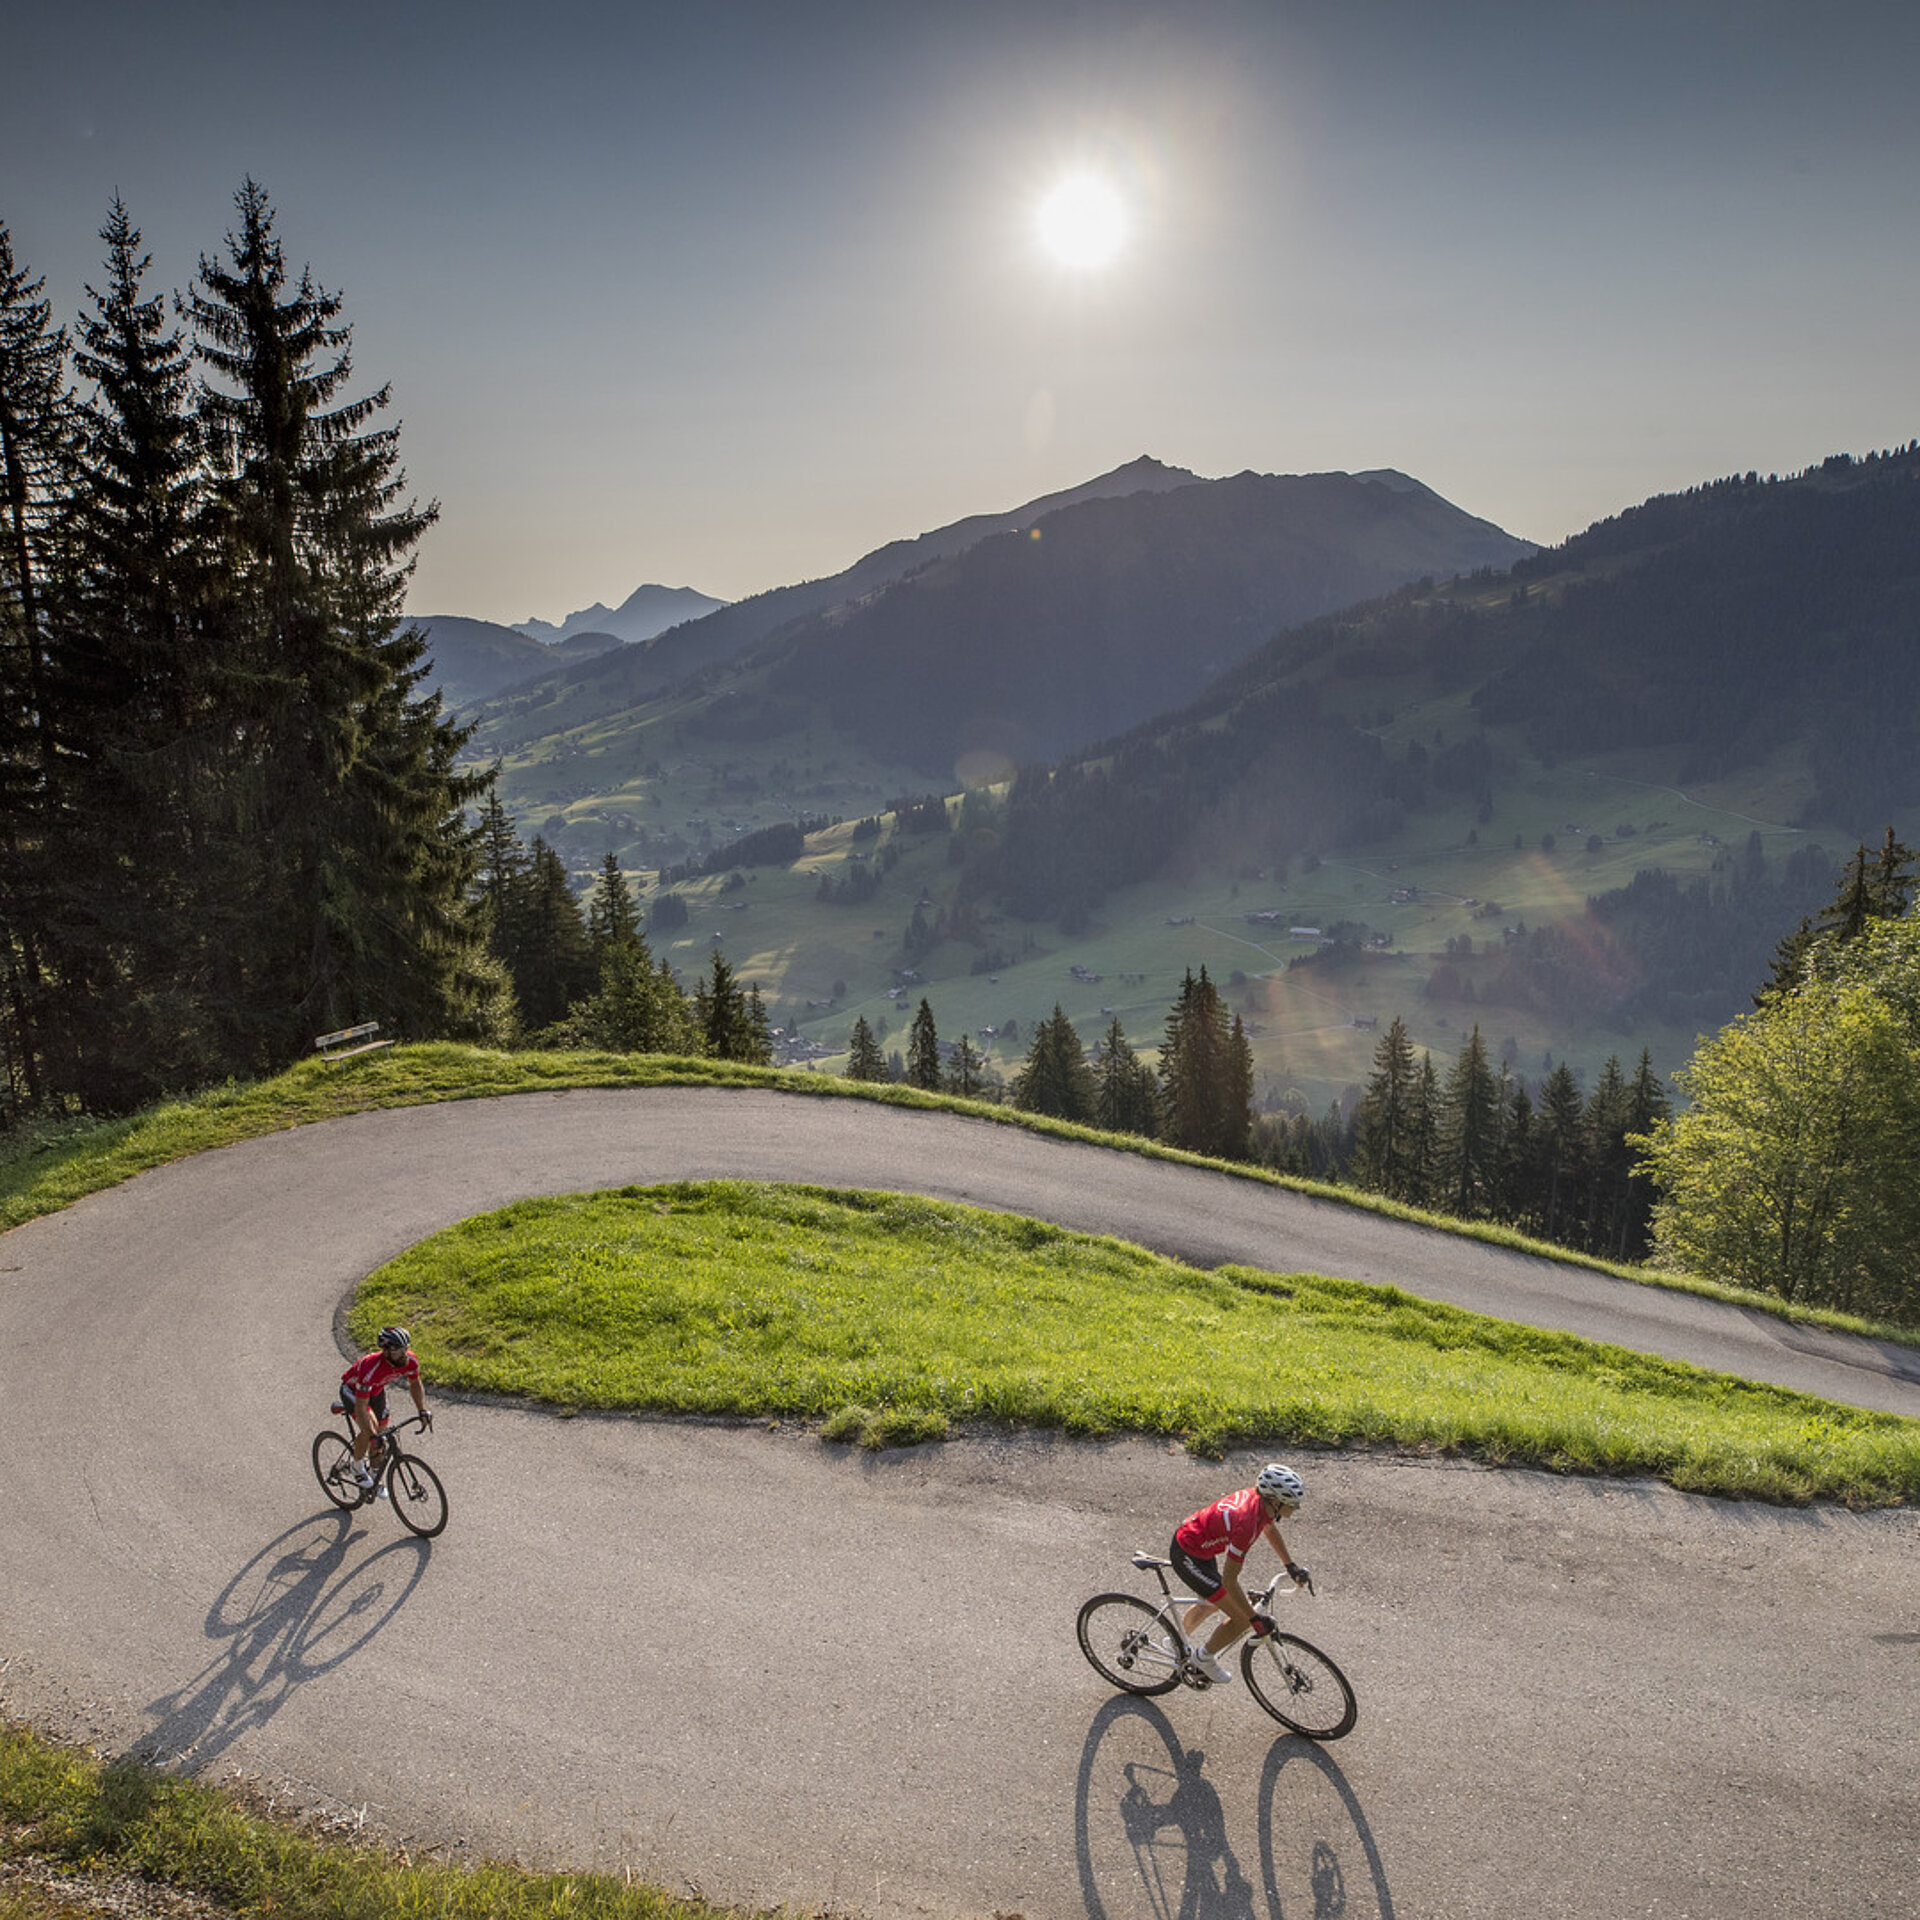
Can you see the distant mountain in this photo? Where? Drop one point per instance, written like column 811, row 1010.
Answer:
column 1764, row 632
column 731, row 631
column 1025, row 634
column 1103, row 612
column 643, row 613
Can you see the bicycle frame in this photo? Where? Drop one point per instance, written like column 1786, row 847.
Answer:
column 1176, row 1607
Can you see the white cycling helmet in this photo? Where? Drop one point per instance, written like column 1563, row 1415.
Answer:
column 1280, row 1483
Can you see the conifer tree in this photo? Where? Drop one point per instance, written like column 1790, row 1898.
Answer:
column 968, row 1073
column 729, row 1020
column 923, row 1051
column 1126, row 1097
column 612, row 918
column 343, row 779
column 1877, row 887
column 135, row 892
column 549, row 959
column 865, row 1061
column 1562, row 1144
column 1384, row 1143
column 1470, row 1131
column 34, row 450
column 1056, row 1079
column 1206, row 1075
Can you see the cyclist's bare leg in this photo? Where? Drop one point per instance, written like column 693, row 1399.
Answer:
column 362, row 1431
column 1238, row 1620
column 1191, row 1619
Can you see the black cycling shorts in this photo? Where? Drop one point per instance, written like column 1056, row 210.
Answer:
column 378, row 1404
column 1203, row 1576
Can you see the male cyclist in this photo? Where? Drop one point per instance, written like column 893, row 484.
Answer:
column 363, row 1394
column 1231, row 1526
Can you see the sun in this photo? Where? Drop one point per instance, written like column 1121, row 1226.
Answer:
column 1082, row 222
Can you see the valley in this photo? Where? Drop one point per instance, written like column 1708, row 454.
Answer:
column 1576, row 802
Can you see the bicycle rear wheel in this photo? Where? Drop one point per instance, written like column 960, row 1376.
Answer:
column 419, row 1500
column 333, row 1468
column 1299, row 1686
column 1129, row 1643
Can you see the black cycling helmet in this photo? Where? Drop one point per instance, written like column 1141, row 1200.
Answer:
column 395, row 1340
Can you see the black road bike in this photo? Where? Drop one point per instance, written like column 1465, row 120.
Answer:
column 413, row 1489
column 1143, row 1648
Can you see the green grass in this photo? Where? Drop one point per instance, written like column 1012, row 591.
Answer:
column 91, row 1817
column 890, row 1318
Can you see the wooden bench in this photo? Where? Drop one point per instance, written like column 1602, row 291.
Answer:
column 350, row 1041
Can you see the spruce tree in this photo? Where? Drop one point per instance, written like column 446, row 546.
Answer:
column 865, row 1061
column 35, row 444
column 730, row 1021
column 1126, row 1098
column 1206, row 1075
column 1384, row 1144
column 612, row 918
column 968, row 1074
column 1873, row 887
column 1056, row 1079
column 1470, row 1132
column 923, row 1051
column 549, row 958
column 1562, row 1145
column 344, row 785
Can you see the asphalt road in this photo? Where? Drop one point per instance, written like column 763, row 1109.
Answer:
column 739, row 1659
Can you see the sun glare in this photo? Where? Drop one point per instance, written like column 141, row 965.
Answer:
column 1082, row 222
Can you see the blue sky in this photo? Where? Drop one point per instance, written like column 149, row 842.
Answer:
column 725, row 296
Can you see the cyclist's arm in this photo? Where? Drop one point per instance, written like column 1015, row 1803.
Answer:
column 1277, row 1544
column 1232, row 1597
column 418, row 1391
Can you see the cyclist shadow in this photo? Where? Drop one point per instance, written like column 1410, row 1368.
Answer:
column 1153, row 1836
column 293, row 1612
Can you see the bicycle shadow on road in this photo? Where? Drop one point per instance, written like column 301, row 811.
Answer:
column 1154, row 1838
column 293, row 1612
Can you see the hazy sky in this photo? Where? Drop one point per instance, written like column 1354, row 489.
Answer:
column 726, row 295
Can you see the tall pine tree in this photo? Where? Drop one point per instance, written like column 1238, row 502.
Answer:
column 342, row 784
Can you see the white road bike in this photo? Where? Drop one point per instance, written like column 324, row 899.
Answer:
column 1143, row 1648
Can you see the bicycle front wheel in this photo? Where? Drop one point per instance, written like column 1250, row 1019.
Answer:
column 1299, row 1686
column 1129, row 1643
column 417, row 1497
column 333, row 1468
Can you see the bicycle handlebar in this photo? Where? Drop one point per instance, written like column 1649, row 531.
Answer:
column 421, row 1420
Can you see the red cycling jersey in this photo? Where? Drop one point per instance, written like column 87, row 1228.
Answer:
column 376, row 1373
column 1229, row 1526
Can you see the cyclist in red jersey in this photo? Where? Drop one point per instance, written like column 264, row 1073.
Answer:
column 1230, row 1526
column 363, row 1393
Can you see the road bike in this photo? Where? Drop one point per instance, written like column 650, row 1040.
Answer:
column 414, row 1491
column 1142, row 1648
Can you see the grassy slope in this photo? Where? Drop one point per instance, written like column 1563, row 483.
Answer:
column 889, row 1317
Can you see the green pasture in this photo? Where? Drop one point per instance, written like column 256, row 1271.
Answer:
column 1473, row 878
column 891, row 1319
